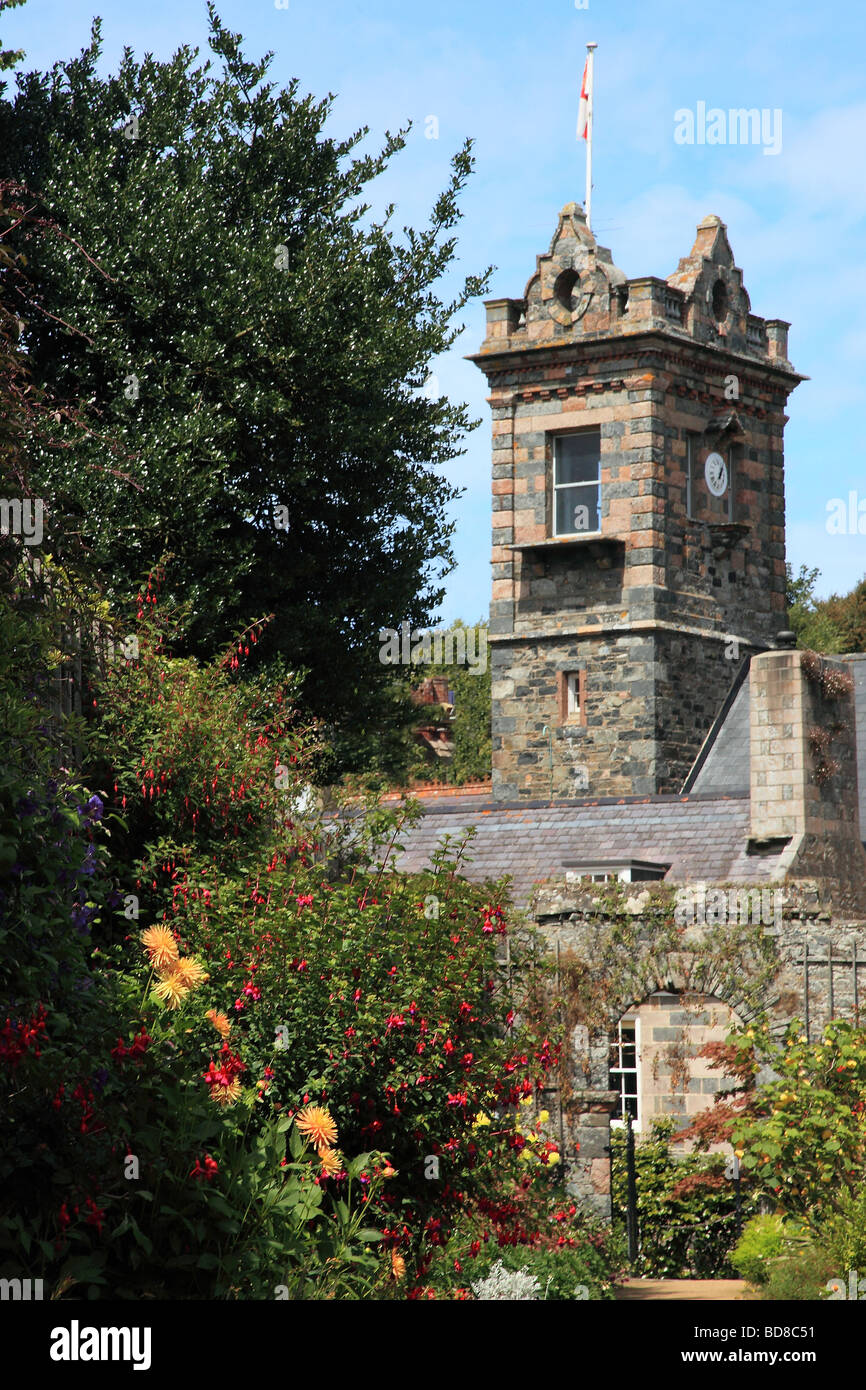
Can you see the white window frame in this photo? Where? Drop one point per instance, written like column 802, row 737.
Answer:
column 636, row 1071
column 572, row 704
column 558, row 487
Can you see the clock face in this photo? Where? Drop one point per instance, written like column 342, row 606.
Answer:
column 716, row 474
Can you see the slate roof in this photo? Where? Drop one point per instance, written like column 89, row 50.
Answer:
column 699, row 837
column 726, row 769
column 702, row 834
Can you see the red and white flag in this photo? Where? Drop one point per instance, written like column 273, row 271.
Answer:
column 584, row 113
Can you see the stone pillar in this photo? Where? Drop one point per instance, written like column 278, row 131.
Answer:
column 804, row 771
column 589, row 1168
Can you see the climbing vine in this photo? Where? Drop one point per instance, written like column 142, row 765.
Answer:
column 832, row 684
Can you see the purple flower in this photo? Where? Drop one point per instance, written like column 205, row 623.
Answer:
column 95, row 807
column 89, row 865
column 81, row 916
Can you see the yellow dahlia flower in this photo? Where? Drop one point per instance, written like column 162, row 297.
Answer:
column 398, row 1265
column 171, row 990
column 226, row 1095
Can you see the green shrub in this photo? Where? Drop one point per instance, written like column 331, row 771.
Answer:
column 843, row 1233
column 762, row 1240
column 686, row 1207
column 563, row 1274
column 800, row 1278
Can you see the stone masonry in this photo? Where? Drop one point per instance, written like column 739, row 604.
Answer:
column 804, row 787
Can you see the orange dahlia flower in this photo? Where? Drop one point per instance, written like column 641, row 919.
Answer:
column 189, row 972
column 219, row 1021
column 160, row 946
column 316, row 1125
column 332, row 1162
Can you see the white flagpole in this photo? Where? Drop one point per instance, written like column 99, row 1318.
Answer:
column 590, row 59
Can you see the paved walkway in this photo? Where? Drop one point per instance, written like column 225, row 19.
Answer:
column 682, row 1290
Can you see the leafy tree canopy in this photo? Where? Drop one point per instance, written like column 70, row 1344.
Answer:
column 245, row 336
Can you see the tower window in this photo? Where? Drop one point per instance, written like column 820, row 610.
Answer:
column 577, row 484
column 720, row 301
column 572, row 697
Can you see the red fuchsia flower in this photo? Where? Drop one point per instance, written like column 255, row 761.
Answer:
column 95, row 1214
column 84, row 1096
column 305, row 900
column 448, row 1046
column 208, row 1172
column 17, row 1038
column 459, row 1098
column 252, row 991
column 58, row 1099
column 63, row 1216
column 395, row 1021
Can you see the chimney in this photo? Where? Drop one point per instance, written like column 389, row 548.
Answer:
column 804, row 771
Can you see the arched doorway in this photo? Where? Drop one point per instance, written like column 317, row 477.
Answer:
column 655, row 1066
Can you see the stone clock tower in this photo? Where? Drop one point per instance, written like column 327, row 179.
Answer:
column 638, row 512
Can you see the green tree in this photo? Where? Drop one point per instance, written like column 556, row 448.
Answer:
column 848, row 616
column 255, row 339
column 810, row 618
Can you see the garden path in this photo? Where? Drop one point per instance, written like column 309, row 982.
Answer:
column 688, row 1290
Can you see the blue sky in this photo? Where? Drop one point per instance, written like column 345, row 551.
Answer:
column 508, row 75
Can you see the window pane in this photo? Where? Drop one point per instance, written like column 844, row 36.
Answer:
column 577, row 509
column 578, row 458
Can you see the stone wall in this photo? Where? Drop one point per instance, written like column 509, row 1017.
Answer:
column 818, row 973
column 652, row 694
column 804, row 770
